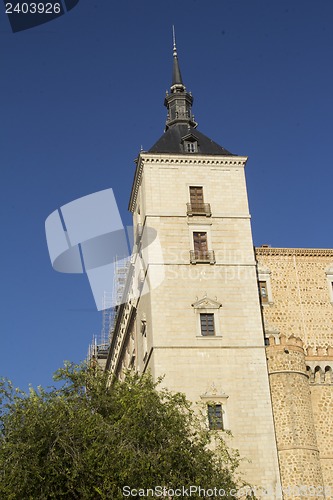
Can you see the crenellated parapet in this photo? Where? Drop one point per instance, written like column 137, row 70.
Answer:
column 286, row 354
column 319, row 364
column 283, row 340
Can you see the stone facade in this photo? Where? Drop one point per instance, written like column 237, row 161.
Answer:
column 281, row 417
column 161, row 331
column 298, row 301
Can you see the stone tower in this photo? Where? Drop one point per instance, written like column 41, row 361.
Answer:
column 294, row 422
column 198, row 321
column 319, row 365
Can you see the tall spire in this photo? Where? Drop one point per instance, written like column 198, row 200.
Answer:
column 176, row 75
column 178, row 102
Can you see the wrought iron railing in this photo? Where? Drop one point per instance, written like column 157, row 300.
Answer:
column 202, row 256
column 199, row 209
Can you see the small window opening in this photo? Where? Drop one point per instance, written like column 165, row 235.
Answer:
column 207, row 324
column 191, row 146
column 263, row 291
column 215, row 416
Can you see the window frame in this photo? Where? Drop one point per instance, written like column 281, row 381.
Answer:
column 329, row 278
column 203, row 247
column 205, row 328
column 264, row 275
column 204, row 228
column 213, row 396
column 263, row 298
column 207, row 306
column 215, row 420
column 196, row 205
column 193, row 191
column 191, row 146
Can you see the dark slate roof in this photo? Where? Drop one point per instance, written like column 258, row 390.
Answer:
column 171, row 142
column 176, row 74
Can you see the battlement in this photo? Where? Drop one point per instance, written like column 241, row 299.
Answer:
column 282, row 341
column 288, row 354
column 319, row 364
column 319, row 352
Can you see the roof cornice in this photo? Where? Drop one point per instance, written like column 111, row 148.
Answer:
column 298, row 252
column 194, row 159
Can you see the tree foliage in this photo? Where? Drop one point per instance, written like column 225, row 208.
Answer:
column 87, row 440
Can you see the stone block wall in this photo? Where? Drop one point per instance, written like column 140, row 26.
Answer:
column 300, row 303
column 301, row 293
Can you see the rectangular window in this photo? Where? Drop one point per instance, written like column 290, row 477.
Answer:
column 200, row 245
column 191, row 147
column 196, row 196
column 197, row 205
column 263, row 292
column 215, row 416
column 207, row 324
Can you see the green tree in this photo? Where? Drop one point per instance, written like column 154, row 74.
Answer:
column 87, row 440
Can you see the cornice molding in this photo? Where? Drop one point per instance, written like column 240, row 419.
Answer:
column 136, row 185
column 298, row 252
column 193, row 159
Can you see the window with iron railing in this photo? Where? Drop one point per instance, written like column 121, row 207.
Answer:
column 197, row 257
column 200, row 253
column 199, row 209
column 197, row 205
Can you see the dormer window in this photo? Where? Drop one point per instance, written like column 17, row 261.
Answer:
column 191, row 147
column 190, row 143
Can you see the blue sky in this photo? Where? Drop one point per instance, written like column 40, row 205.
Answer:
column 81, row 94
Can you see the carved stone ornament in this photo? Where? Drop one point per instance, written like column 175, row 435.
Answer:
column 206, row 303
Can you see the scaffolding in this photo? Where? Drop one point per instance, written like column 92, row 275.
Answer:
column 99, row 348
column 107, row 317
column 121, row 269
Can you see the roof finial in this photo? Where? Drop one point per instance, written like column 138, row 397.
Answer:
column 174, row 41
column 176, row 76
